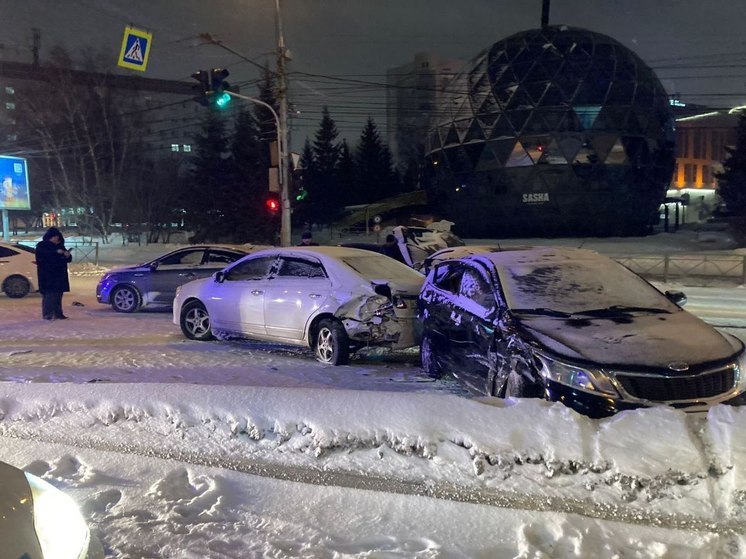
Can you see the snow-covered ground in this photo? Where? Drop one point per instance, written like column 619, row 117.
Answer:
column 175, row 448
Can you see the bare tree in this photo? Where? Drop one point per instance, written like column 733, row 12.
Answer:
column 88, row 149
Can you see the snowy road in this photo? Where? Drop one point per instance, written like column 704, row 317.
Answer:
column 181, row 449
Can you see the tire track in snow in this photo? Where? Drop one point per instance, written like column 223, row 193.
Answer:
column 436, row 490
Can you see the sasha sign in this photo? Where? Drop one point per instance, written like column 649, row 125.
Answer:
column 14, row 187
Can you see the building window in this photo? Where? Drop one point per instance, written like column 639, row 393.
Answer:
column 689, row 174
column 10, row 90
column 10, row 106
column 12, row 137
column 186, row 148
column 707, row 176
column 174, row 147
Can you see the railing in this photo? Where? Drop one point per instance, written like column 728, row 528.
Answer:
column 83, row 251
column 688, row 269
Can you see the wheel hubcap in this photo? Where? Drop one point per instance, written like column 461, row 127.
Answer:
column 124, row 299
column 325, row 345
column 198, row 322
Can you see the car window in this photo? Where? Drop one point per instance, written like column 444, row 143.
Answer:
column 475, row 288
column 222, row 257
column 380, row 267
column 448, row 278
column 251, row 269
column 300, row 268
column 6, row 252
column 184, row 258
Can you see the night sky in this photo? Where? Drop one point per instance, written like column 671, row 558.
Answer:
column 697, row 47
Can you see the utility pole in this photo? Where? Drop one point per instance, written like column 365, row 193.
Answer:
column 282, row 132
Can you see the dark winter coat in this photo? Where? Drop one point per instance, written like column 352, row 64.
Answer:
column 51, row 267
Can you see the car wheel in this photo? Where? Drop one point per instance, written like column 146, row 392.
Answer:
column 195, row 322
column 428, row 358
column 332, row 346
column 16, row 287
column 125, row 299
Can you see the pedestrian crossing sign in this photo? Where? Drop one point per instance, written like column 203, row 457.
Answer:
column 135, row 49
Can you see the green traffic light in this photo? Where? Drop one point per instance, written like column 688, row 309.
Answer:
column 222, row 100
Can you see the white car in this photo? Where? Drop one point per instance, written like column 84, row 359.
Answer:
column 333, row 299
column 40, row 522
column 17, row 270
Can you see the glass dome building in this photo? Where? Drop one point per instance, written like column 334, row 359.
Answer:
column 552, row 131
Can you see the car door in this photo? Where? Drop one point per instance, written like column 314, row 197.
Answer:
column 294, row 294
column 477, row 309
column 237, row 303
column 440, row 314
column 171, row 271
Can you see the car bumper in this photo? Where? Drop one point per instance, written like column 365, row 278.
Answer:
column 597, row 406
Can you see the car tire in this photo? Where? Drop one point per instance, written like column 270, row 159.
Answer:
column 16, row 287
column 428, row 360
column 195, row 322
column 331, row 344
column 126, row 299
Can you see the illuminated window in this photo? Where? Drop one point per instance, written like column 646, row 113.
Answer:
column 174, row 147
column 10, row 106
column 186, row 148
column 10, row 90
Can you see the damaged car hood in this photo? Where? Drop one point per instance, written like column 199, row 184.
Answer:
column 655, row 340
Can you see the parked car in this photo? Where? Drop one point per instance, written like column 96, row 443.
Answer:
column 39, row 521
column 17, row 270
column 333, row 299
column 153, row 284
column 573, row 326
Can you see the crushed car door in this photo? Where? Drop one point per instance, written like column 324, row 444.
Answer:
column 479, row 308
column 294, row 294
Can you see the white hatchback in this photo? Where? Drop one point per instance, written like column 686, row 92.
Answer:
column 17, row 270
column 333, row 299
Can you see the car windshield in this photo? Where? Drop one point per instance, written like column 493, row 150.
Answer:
column 381, row 268
column 579, row 286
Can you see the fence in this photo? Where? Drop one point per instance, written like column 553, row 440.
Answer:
column 83, row 251
column 688, row 269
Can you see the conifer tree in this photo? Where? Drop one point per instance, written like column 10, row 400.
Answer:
column 732, row 181
column 376, row 178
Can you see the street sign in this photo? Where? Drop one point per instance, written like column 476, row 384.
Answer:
column 135, row 49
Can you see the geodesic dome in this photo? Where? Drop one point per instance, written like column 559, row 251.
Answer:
column 552, row 131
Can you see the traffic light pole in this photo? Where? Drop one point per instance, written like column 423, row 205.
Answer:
column 281, row 171
column 282, row 130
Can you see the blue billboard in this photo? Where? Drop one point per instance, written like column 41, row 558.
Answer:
column 14, row 187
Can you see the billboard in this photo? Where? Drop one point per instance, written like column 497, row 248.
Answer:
column 14, row 187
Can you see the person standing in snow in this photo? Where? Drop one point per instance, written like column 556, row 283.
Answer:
column 51, row 268
column 306, row 240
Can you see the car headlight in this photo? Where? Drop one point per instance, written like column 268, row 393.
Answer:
column 60, row 527
column 582, row 378
column 741, row 373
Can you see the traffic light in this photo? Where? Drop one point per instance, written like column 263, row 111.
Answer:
column 212, row 89
column 273, row 204
column 203, row 88
column 220, row 87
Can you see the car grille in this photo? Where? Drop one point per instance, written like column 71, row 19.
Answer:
column 694, row 387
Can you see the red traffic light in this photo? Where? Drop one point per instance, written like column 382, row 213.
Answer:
column 272, row 204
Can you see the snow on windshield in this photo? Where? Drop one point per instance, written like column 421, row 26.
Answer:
column 382, row 268
column 577, row 286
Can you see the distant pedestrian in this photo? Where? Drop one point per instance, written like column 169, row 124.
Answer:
column 391, row 248
column 306, row 240
column 51, row 267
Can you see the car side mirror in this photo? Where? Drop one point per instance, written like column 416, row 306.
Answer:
column 219, row 276
column 676, row 297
